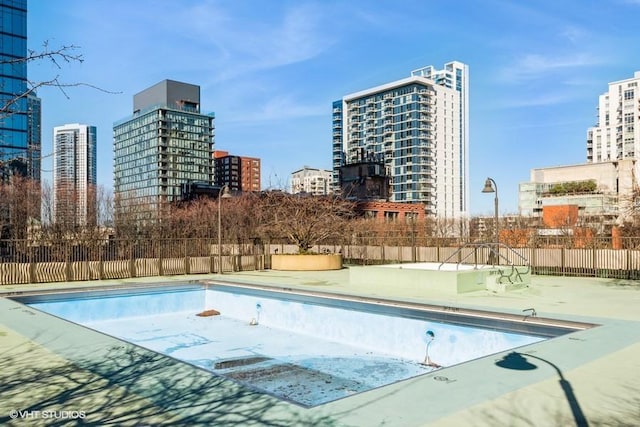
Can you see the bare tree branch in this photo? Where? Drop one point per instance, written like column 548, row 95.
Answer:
column 57, row 56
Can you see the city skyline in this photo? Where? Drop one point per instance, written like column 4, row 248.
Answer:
column 270, row 75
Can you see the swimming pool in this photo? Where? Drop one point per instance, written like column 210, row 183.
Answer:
column 303, row 347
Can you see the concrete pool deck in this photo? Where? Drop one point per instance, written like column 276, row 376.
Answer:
column 591, row 377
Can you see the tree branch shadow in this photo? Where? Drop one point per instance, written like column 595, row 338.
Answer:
column 129, row 385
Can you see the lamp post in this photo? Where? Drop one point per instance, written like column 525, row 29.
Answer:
column 222, row 194
column 490, row 186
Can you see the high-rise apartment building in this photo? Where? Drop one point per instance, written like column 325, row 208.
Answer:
column 418, row 127
column 312, row 181
column 165, row 143
column 616, row 135
column 74, row 174
column 13, row 88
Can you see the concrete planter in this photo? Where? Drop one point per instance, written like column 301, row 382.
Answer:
column 296, row 262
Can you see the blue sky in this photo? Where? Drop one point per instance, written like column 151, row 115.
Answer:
column 271, row 69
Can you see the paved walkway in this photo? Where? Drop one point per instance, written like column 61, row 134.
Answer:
column 591, row 377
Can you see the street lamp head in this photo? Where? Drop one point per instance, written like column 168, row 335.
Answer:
column 488, row 186
column 224, row 192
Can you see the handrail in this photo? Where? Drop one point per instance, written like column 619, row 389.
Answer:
column 494, row 249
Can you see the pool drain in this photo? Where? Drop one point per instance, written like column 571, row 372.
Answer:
column 244, row 361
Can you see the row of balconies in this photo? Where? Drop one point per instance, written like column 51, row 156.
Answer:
column 374, row 106
column 424, row 123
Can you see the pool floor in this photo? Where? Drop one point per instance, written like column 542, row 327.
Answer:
column 281, row 363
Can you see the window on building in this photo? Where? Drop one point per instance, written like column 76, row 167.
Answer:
column 410, row 217
column 628, row 118
column 391, row 216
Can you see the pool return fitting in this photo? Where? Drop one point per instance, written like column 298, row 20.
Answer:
column 256, row 320
column 427, row 360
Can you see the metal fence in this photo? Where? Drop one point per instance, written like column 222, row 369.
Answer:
column 592, row 262
column 64, row 261
column 23, row 262
column 548, row 257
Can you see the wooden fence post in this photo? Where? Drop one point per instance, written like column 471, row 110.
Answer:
column 68, row 271
column 533, row 260
column 628, row 263
column 32, row 268
column 160, row 266
column 101, row 250
column 187, row 260
column 132, row 261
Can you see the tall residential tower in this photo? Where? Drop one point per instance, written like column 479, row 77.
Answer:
column 74, row 174
column 419, row 128
column 165, row 143
column 615, row 135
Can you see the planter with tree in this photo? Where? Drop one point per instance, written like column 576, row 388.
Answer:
column 306, row 221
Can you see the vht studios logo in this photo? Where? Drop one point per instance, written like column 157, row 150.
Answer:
column 57, row 415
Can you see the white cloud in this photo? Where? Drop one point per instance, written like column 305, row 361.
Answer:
column 237, row 42
column 535, row 66
column 574, row 34
column 538, row 100
column 279, row 107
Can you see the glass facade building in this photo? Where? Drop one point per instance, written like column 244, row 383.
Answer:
column 165, row 143
column 13, row 88
column 34, row 136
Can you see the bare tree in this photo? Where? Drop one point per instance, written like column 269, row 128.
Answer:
column 19, row 206
column 303, row 220
column 196, row 218
column 27, row 194
column 46, row 190
column 104, row 206
column 241, row 218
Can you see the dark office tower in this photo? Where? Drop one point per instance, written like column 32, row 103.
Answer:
column 34, row 136
column 165, row 143
column 13, row 88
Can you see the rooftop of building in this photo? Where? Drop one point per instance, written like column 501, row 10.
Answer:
column 591, row 377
